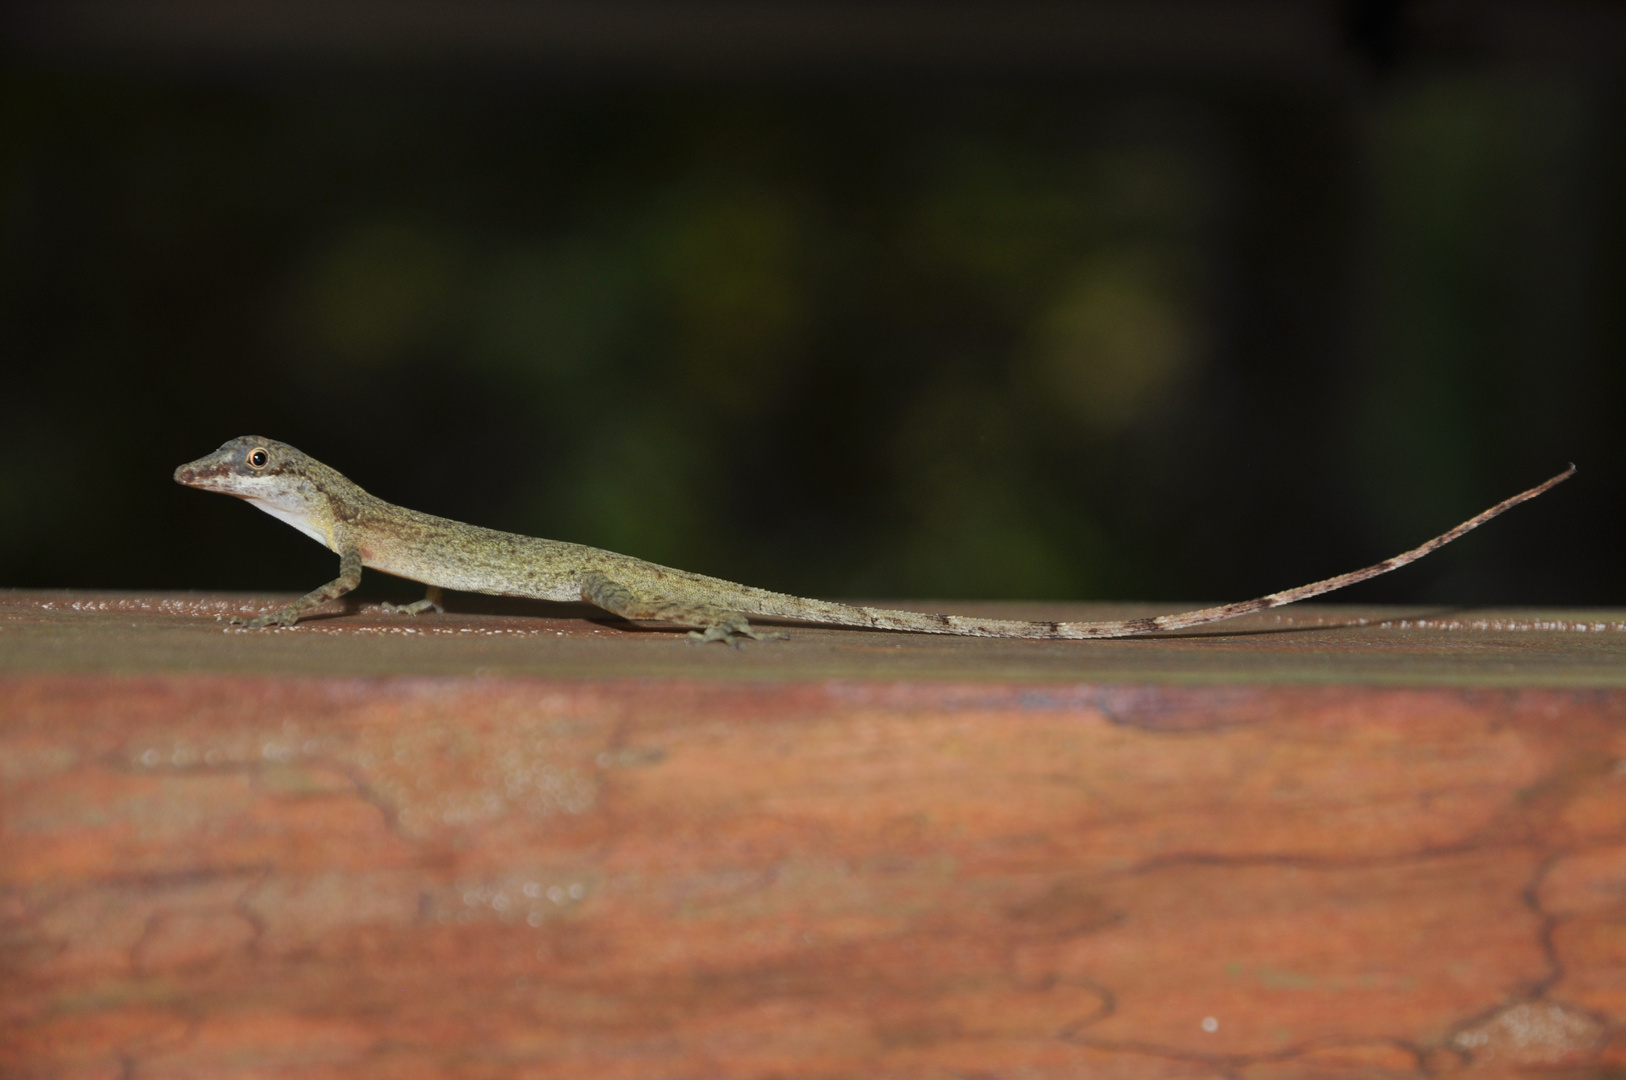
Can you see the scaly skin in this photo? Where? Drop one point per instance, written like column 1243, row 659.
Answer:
column 366, row 531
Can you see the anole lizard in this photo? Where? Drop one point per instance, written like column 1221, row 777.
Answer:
column 443, row 554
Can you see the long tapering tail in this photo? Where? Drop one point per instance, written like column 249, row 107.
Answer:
column 923, row 622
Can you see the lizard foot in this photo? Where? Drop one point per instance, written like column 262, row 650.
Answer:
column 432, row 599
column 733, row 632
column 410, row 609
column 285, row 617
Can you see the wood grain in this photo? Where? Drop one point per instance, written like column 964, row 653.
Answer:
column 228, row 864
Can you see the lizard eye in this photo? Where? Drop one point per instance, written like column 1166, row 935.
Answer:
column 258, row 458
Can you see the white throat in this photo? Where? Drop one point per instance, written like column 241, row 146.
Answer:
column 298, row 521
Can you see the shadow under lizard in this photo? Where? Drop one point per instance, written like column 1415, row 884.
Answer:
column 441, row 553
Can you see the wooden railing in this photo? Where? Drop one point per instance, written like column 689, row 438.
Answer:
column 516, row 842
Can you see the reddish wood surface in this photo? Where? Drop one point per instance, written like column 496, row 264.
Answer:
column 217, row 863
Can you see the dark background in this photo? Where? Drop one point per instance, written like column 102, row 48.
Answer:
column 1180, row 301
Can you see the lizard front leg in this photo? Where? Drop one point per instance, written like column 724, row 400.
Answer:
column 349, row 577
column 720, row 623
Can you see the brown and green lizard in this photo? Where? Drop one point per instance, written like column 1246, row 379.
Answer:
column 443, row 554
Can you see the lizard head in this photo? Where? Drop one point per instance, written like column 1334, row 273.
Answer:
column 250, row 468
column 273, row 476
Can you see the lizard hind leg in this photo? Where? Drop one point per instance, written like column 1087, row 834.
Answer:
column 720, row 623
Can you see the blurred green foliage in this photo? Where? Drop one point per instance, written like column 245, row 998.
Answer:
column 1116, row 341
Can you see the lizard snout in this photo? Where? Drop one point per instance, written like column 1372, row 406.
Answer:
column 198, row 474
